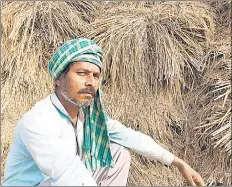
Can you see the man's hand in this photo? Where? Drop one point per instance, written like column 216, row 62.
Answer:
column 190, row 175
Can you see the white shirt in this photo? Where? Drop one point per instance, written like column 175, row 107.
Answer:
column 45, row 143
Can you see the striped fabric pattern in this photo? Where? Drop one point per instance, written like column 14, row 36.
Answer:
column 96, row 147
column 80, row 49
column 96, row 128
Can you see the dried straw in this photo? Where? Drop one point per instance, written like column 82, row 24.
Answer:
column 29, row 39
column 208, row 106
column 151, row 115
column 218, row 122
column 154, row 51
column 153, row 46
column 223, row 11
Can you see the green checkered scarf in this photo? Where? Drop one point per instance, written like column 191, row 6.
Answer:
column 96, row 147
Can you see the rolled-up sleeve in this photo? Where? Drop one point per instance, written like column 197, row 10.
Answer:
column 49, row 153
column 138, row 142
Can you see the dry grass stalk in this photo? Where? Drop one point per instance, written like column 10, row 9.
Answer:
column 219, row 95
column 179, row 31
column 153, row 46
column 223, row 11
column 151, row 115
column 208, row 110
column 29, row 39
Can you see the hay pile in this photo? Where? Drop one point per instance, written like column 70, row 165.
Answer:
column 162, row 62
column 153, row 46
column 209, row 107
column 217, row 88
column 223, row 10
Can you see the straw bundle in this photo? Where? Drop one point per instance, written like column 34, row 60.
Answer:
column 218, row 123
column 151, row 115
column 29, row 39
column 154, row 51
column 223, row 10
column 208, row 106
column 153, row 46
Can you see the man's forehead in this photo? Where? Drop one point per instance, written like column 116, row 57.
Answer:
column 85, row 66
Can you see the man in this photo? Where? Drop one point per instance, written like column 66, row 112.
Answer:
column 68, row 140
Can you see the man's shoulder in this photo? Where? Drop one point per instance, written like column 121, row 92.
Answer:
column 42, row 111
column 43, row 106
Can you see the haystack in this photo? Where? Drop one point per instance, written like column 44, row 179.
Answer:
column 153, row 52
column 208, row 106
column 223, row 11
column 153, row 46
column 156, row 53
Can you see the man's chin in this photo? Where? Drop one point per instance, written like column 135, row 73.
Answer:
column 84, row 102
column 80, row 103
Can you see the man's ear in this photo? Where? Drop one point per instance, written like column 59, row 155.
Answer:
column 58, row 81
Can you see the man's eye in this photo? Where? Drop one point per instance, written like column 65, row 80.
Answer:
column 81, row 73
column 96, row 76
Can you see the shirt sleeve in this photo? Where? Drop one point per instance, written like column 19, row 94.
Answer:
column 138, row 142
column 48, row 151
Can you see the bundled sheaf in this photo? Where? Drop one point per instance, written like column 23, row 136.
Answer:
column 209, row 118
column 217, row 81
column 31, row 32
column 223, row 11
column 153, row 45
column 154, row 51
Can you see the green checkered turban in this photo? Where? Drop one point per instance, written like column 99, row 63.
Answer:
column 96, row 146
column 80, row 49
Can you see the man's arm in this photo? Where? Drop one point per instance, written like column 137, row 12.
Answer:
column 50, row 152
column 146, row 146
column 138, row 142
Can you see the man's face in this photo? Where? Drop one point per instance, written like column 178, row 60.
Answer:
column 80, row 83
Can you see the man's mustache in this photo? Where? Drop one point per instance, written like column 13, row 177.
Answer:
column 89, row 90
